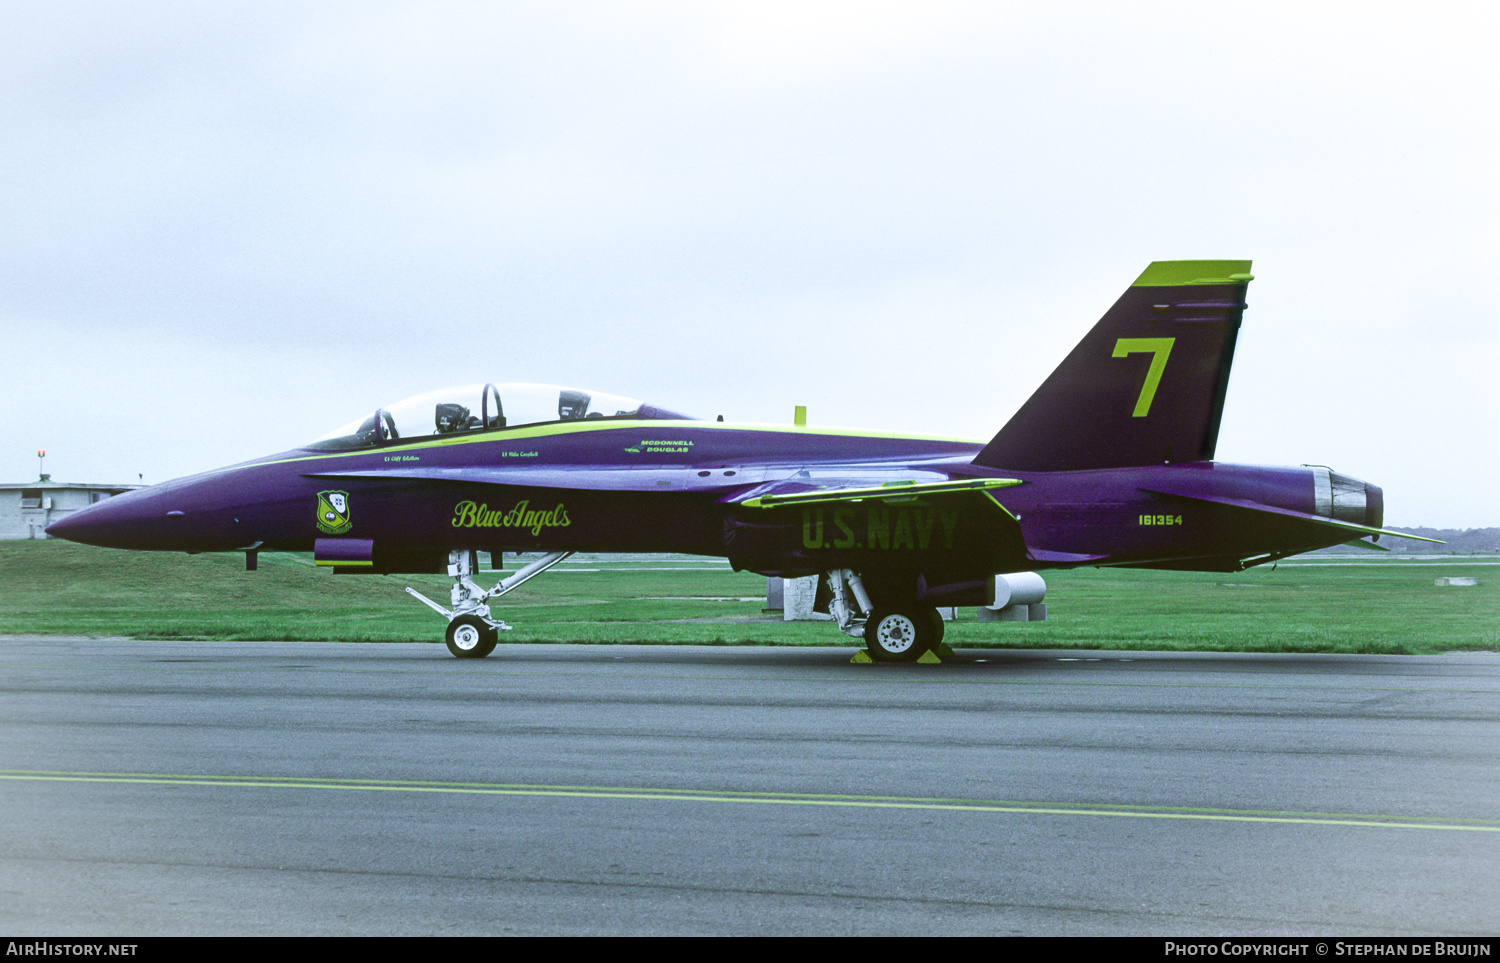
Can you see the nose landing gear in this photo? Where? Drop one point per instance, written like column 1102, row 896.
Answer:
column 472, row 631
column 471, row 637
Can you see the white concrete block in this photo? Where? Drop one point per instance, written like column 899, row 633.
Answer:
column 797, row 598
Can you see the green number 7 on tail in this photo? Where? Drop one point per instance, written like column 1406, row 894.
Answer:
column 1159, row 349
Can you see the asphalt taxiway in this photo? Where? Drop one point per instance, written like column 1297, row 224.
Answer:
column 308, row 788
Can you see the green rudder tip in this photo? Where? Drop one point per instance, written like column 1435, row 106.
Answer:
column 1165, row 274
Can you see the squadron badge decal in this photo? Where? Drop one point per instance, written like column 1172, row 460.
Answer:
column 333, row 512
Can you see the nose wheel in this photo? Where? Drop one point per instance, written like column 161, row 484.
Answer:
column 470, row 637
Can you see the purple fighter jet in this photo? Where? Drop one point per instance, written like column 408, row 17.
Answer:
column 1110, row 462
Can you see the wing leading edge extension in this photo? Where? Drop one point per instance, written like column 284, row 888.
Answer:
column 581, row 479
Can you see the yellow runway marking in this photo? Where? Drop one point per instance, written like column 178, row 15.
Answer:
column 770, row 798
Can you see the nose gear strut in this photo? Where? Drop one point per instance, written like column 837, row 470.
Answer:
column 472, row 630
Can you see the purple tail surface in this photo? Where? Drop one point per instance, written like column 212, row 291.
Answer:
column 1145, row 386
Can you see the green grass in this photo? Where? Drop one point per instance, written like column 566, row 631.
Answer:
column 1381, row 606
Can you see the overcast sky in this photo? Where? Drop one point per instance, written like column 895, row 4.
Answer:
column 226, row 229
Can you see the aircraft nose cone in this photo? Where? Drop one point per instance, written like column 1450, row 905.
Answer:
column 119, row 522
column 170, row 518
column 71, row 527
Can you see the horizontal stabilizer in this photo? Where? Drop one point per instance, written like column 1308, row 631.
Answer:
column 1060, row 558
column 886, row 492
column 1288, row 513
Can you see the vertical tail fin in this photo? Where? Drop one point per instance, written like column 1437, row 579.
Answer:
column 1145, row 386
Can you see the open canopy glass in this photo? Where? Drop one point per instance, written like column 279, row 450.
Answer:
column 483, row 407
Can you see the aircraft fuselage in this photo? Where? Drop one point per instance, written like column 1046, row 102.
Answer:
column 660, row 486
column 1109, row 462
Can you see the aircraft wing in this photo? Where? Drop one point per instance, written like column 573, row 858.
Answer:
column 798, row 491
column 979, row 528
column 1288, row 513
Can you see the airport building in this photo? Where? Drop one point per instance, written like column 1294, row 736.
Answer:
column 27, row 509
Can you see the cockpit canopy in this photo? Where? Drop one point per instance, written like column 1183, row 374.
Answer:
column 485, row 407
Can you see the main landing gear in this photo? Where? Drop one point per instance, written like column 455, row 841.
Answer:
column 894, row 633
column 472, row 631
column 902, row 635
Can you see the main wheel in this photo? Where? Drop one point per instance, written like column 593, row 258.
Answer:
column 898, row 635
column 939, row 627
column 469, row 637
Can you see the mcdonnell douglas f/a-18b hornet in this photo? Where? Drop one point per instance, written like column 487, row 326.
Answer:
column 1110, row 462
